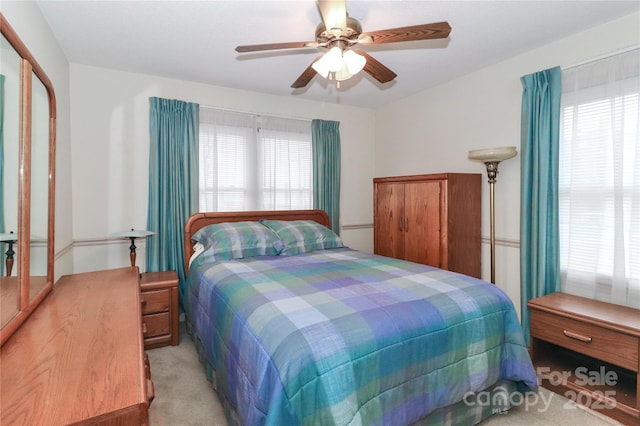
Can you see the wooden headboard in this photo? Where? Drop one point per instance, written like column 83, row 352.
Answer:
column 200, row 220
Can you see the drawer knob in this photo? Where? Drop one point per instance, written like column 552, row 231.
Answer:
column 576, row 336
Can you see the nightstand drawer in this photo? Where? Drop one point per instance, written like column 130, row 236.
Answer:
column 155, row 301
column 156, row 324
column 598, row 342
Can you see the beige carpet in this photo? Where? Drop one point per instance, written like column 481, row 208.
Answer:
column 184, row 397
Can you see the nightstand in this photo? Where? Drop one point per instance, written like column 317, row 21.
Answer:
column 588, row 351
column 159, row 298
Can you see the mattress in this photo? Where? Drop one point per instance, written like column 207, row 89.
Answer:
column 344, row 337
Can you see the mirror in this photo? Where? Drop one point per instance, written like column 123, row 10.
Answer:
column 27, row 161
column 9, row 133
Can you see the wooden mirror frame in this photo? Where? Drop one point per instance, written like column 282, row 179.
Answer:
column 29, row 67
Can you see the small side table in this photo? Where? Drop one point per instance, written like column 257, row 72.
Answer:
column 588, row 351
column 159, row 296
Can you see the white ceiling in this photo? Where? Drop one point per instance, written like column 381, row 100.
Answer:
column 195, row 40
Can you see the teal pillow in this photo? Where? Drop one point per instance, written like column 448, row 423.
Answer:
column 235, row 240
column 301, row 236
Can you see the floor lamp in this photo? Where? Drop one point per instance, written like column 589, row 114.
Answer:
column 491, row 157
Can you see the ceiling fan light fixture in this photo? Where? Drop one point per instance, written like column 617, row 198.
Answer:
column 320, row 66
column 343, row 73
column 344, row 63
column 333, row 59
column 355, row 62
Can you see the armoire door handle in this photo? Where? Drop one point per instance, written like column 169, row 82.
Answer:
column 406, row 224
column 400, row 222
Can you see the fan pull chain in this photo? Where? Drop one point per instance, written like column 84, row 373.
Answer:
column 331, row 75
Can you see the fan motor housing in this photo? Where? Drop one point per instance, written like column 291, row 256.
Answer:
column 326, row 35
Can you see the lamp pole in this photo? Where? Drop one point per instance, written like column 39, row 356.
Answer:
column 492, row 172
column 132, row 250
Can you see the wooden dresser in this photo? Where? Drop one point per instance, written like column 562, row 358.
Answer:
column 432, row 219
column 587, row 350
column 79, row 358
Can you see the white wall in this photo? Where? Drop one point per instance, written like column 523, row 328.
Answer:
column 432, row 131
column 110, row 149
column 25, row 18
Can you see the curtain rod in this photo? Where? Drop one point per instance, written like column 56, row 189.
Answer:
column 601, row 57
column 255, row 113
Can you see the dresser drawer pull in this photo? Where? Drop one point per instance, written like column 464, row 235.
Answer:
column 151, row 394
column 144, row 328
column 576, row 336
column 147, row 366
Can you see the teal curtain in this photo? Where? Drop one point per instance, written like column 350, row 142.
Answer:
column 173, row 181
column 325, row 138
column 539, row 227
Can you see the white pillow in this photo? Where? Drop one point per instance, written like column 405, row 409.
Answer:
column 197, row 249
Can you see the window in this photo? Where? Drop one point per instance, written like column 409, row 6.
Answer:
column 251, row 162
column 599, row 180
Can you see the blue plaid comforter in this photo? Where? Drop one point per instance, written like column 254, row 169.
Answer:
column 344, row 337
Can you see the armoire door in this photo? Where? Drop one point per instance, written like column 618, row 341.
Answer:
column 389, row 220
column 422, row 222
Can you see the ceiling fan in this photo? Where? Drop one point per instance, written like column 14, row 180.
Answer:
column 339, row 34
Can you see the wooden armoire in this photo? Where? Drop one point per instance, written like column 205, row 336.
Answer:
column 432, row 219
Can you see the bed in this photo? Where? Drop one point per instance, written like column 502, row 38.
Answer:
column 295, row 328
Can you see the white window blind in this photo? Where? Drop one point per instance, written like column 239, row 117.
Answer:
column 252, row 162
column 599, row 180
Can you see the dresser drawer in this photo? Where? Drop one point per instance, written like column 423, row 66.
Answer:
column 156, row 324
column 155, row 301
column 598, row 342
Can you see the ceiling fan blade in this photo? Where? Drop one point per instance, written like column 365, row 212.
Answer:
column 306, row 75
column 415, row 32
column 273, row 46
column 334, row 14
column 376, row 69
